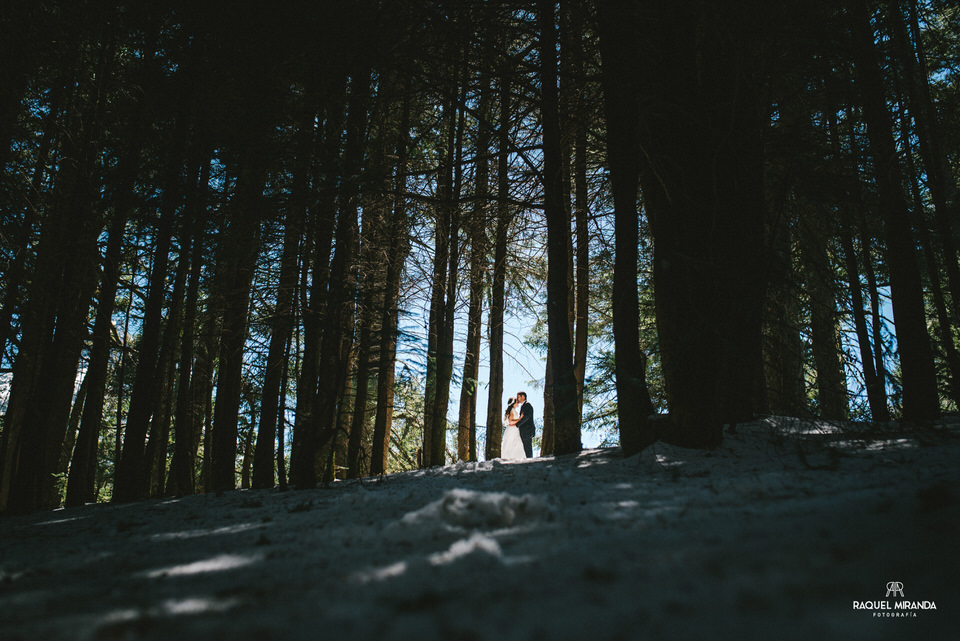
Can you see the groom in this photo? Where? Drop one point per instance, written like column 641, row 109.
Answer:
column 525, row 424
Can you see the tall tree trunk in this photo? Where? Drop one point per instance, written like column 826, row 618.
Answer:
column 155, row 452
column 819, row 274
column 548, row 436
column 73, row 426
column 159, row 438
column 182, row 479
column 320, row 428
column 440, row 325
column 121, row 378
column 580, row 213
column 54, row 322
column 282, row 318
column 235, row 273
column 282, row 326
column 943, row 187
column 399, row 245
column 445, row 356
column 375, row 248
column 470, row 383
column 621, row 93
column 784, row 391
column 876, row 397
column 354, row 460
column 919, row 379
column 321, row 226
column 944, row 322
column 570, row 91
column 202, row 393
column 567, row 434
column 82, row 482
column 19, row 235
column 336, row 446
column 498, row 285
column 873, row 290
column 131, row 475
column 702, row 178
column 876, row 311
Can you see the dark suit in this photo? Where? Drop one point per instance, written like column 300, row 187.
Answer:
column 525, row 425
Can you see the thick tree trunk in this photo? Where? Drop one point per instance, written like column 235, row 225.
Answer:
column 19, row 234
column 567, row 430
column 182, row 479
column 358, row 421
column 282, row 326
column 82, row 481
column 621, row 94
column 155, row 453
column 919, row 379
column 132, row 476
column 201, row 395
column 440, row 325
column 445, row 356
column 549, row 433
column 54, row 329
column 337, row 336
column 333, row 461
column 54, row 319
column 702, row 178
column 399, row 245
column 944, row 322
column 235, row 274
column 73, row 426
column 320, row 230
column 876, row 314
column 159, row 440
column 470, row 383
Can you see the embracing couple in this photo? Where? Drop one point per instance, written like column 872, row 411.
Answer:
column 518, row 433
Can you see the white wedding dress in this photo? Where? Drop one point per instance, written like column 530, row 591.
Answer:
column 511, row 447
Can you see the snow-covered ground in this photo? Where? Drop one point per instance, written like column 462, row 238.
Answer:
column 774, row 536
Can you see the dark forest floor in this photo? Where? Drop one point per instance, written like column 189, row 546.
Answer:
column 775, row 535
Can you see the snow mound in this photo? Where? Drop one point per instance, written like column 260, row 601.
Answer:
column 460, row 511
column 476, row 544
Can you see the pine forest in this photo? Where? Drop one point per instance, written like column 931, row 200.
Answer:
column 277, row 244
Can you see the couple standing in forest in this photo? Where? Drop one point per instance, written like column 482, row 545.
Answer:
column 518, row 429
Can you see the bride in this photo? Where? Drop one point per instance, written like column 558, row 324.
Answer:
column 512, row 447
